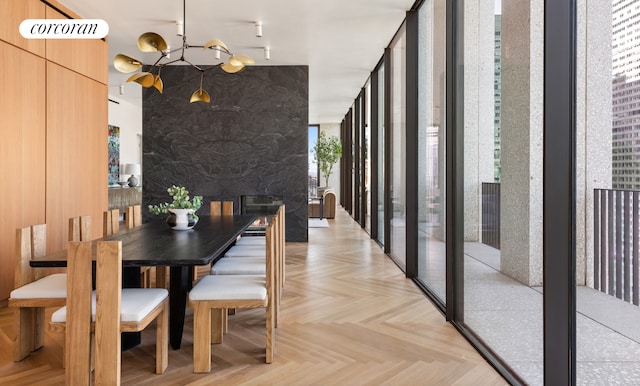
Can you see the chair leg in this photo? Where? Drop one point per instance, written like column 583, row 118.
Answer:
column 162, row 340
column 38, row 328
column 162, row 277
column 25, row 333
column 270, row 341
column 218, row 321
column 201, row 339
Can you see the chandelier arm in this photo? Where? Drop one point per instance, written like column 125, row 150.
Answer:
column 193, row 65
column 213, row 66
column 170, row 62
column 156, row 63
column 221, row 49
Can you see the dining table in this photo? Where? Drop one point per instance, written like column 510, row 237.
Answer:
column 155, row 244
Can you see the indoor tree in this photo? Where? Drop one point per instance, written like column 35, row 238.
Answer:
column 327, row 151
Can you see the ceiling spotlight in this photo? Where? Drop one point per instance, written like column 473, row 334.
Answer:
column 259, row 29
column 267, row 53
column 179, row 28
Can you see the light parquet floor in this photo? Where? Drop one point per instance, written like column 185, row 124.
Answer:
column 348, row 317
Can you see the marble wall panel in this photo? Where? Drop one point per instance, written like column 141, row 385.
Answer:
column 251, row 139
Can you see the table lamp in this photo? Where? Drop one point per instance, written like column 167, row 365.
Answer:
column 134, row 170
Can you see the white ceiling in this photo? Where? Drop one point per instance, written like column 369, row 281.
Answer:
column 340, row 40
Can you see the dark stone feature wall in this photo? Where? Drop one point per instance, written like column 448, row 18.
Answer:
column 251, row 139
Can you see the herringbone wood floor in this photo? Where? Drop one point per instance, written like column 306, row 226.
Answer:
column 349, row 317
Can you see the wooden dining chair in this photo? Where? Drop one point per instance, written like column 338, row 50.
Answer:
column 214, row 294
column 251, row 260
column 133, row 216
column 111, row 222
column 33, row 291
column 221, row 208
column 110, row 310
column 216, row 208
column 80, row 228
column 133, row 219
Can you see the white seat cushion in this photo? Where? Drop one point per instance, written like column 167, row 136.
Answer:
column 228, row 287
column 240, row 266
column 49, row 287
column 136, row 304
column 247, row 251
column 252, row 240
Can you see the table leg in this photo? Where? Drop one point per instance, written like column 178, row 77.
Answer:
column 180, row 283
column 321, row 208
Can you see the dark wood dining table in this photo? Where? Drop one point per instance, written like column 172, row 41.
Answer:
column 155, row 244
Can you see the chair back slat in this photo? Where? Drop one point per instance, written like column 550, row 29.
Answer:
column 31, row 242
column 215, row 208
column 133, row 216
column 74, row 229
column 108, row 304
column 111, row 222
column 78, row 329
column 227, row 208
column 38, row 240
column 80, row 228
column 23, row 272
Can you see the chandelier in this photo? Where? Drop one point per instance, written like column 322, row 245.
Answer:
column 152, row 42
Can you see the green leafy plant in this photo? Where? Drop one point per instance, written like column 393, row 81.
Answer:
column 181, row 200
column 327, row 151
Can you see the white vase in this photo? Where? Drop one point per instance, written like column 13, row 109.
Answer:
column 182, row 219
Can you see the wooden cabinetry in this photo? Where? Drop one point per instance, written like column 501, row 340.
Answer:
column 121, row 198
column 22, row 151
column 53, row 125
column 76, row 151
column 85, row 56
column 13, row 13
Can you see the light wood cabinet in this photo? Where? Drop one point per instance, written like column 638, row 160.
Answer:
column 76, row 151
column 86, row 56
column 22, row 151
column 53, row 125
column 13, row 13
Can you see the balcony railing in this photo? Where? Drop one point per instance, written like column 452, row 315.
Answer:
column 616, row 243
column 491, row 214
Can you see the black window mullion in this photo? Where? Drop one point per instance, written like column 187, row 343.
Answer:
column 411, row 170
column 559, row 198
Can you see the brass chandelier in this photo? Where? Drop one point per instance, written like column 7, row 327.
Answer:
column 152, row 42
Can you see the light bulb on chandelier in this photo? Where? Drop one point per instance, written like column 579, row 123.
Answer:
column 152, row 42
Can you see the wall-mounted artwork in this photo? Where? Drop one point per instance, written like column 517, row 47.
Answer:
column 114, row 154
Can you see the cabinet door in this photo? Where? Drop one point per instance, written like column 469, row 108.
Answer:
column 13, row 13
column 22, row 151
column 76, row 151
column 86, row 56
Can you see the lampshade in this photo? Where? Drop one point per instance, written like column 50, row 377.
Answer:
column 133, row 169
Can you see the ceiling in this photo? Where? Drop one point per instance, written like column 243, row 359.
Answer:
column 340, row 40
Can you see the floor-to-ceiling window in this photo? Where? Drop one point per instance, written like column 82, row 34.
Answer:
column 397, row 150
column 366, row 167
column 608, row 194
column 313, row 165
column 503, row 301
column 431, row 147
column 380, row 155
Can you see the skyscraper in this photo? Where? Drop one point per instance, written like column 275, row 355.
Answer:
column 626, row 94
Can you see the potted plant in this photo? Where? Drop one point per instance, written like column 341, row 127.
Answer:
column 327, row 151
column 181, row 211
